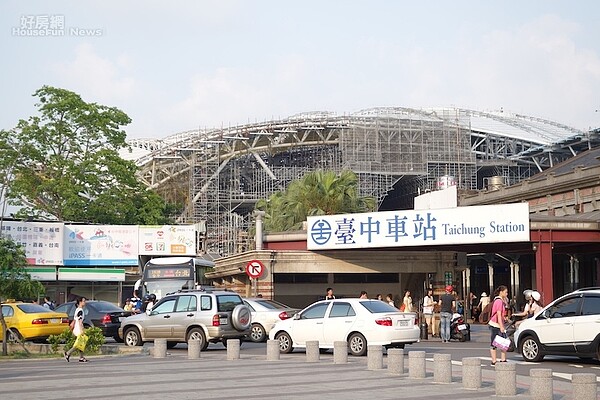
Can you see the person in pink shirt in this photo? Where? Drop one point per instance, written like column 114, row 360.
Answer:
column 497, row 319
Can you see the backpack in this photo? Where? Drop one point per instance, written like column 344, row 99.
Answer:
column 484, row 317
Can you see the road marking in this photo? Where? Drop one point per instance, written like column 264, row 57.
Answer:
column 575, row 365
column 568, row 377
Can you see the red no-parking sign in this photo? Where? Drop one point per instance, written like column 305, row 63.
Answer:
column 255, row 269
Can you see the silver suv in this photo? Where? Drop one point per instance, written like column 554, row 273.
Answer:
column 204, row 315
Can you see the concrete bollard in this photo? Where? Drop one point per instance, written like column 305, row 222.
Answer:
column 340, row 352
column 312, row 351
column 584, row 386
column 273, row 353
column 233, row 349
column 541, row 384
column 395, row 358
column 471, row 369
column 374, row 357
column 442, row 368
column 416, row 364
column 506, row 379
column 193, row 349
column 160, row 348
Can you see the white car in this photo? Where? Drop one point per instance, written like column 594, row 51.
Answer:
column 360, row 322
column 569, row 326
column 265, row 313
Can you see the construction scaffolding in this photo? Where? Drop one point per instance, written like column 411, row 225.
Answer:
column 397, row 153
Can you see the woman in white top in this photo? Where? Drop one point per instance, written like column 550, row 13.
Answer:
column 407, row 302
column 428, row 305
column 532, row 308
column 77, row 328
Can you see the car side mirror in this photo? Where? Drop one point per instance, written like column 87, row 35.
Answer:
column 296, row 316
column 151, row 312
column 546, row 314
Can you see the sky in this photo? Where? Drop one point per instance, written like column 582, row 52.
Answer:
column 182, row 65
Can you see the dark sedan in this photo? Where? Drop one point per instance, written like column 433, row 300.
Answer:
column 98, row 313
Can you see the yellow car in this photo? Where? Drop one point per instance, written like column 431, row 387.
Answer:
column 27, row 321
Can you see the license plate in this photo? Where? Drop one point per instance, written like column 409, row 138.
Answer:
column 55, row 321
column 462, row 327
column 223, row 321
column 402, row 323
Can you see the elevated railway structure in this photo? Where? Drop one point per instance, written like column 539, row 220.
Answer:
column 220, row 174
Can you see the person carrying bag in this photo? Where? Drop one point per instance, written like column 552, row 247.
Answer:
column 496, row 324
column 78, row 331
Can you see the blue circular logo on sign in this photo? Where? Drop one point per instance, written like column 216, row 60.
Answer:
column 320, row 232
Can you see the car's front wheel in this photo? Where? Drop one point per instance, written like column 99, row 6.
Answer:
column 530, row 349
column 285, row 342
column 198, row 334
column 132, row 337
column 357, row 344
column 13, row 336
column 257, row 333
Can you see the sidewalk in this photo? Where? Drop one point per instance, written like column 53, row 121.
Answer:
column 250, row 377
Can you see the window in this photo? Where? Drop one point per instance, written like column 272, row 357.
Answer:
column 205, row 303
column 186, row 303
column 316, row 311
column 249, row 306
column 33, row 308
column 226, row 303
column 566, row 308
column 164, row 307
column 7, row 311
column 341, row 310
column 376, row 306
column 591, row 305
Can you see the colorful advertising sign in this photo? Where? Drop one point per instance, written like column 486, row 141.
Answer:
column 42, row 241
column 461, row 225
column 176, row 240
column 101, row 245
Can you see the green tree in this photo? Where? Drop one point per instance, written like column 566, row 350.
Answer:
column 317, row 193
column 64, row 162
column 15, row 282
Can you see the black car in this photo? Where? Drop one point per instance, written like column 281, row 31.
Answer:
column 98, row 313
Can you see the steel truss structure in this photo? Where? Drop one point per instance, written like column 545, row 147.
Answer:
column 220, row 174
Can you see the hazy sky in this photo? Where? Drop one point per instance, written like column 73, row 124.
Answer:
column 179, row 65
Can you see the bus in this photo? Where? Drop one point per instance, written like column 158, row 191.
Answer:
column 169, row 274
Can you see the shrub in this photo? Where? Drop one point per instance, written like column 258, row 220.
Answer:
column 66, row 338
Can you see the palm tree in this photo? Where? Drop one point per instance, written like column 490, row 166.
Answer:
column 317, row 193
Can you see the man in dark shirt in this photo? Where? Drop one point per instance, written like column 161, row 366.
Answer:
column 447, row 305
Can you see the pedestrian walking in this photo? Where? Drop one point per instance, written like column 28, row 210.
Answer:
column 390, row 299
column 428, row 305
column 78, row 331
column 447, row 305
column 407, row 303
column 364, row 295
column 497, row 320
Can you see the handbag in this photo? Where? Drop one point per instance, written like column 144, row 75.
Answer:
column 501, row 342
column 402, row 307
column 81, row 342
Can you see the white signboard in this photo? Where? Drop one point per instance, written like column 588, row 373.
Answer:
column 101, row 245
column 461, row 225
column 91, row 274
column 42, row 241
column 177, row 240
column 42, row 273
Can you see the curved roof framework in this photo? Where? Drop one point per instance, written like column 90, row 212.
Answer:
column 219, row 174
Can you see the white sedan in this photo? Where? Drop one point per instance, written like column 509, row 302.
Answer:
column 265, row 314
column 360, row 322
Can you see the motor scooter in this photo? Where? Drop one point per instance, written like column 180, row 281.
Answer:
column 459, row 329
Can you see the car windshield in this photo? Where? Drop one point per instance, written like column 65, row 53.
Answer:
column 226, row 303
column 162, row 287
column 376, row 306
column 272, row 304
column 105, row 307
column 33, row 308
